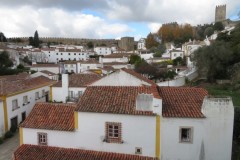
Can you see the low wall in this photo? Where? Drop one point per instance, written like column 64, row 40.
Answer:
column 180, row 81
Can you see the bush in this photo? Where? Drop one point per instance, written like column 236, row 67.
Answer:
column 8, row 134
column 1, row 140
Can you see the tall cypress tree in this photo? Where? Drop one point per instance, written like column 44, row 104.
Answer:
column 36, row 39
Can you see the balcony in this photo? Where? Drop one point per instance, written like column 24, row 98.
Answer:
column 72, row 99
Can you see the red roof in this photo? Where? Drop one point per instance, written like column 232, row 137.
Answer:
column 12, row 86
column 114, row 99
column 52, row 116
column 80, row 80
column 182, row 102
column 139, row 76
column 34, row 152
column 46, row 65
column 118, row 55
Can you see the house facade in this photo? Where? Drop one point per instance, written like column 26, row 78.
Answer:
column 54, row 68
column 102, row 50
column 18, row 100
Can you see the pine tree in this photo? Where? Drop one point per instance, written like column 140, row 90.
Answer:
column 36, row 39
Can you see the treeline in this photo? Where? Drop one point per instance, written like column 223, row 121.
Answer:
column 181, row 33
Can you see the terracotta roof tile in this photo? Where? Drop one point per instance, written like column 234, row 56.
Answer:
column 80, row 80
column 89, row 61
column 115, row 63
column 9, row 87
column 45, row 65
column 139, row 76
column 48, row 72
column 52, row 116
column 34, row 152
column 118, row 55
column 182, row 102
column 114, row 99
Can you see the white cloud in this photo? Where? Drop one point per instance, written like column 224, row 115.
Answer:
column 57, row 22
column 154, row 27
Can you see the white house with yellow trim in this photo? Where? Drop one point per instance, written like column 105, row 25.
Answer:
column 18, row 98
column 168, row 123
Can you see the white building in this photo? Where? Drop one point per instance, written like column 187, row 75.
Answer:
column 18, row 98
column 166, row 123
column 70, row 66
column 116, row 57
column 90, row 64
column 72, row 87
column 189, row 48
column 103, row 50
column 101, row 127
column 123, row 77
column 141, row 44
column 176, row 53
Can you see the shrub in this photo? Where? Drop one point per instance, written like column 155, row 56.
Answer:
column 8, row 134
column 1, row 140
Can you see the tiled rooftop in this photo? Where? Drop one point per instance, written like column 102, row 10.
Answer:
column 34, row 152
column 45, row 65
column 9, row 87
column 116, row 100
column 182, row 102
column 118, row 55
column 52, row 116
column 80, row 80
column 48, row 72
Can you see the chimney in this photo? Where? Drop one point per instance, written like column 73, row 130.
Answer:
column 144, row 102
column 65, row 83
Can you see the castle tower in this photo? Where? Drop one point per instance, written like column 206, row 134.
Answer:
column 220, row 13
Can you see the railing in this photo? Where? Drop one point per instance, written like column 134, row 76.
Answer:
column 72, row 99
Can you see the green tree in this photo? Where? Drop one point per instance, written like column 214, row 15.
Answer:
column 5, row 61
column 90, row 45
column 178, row 61
column 36, row 39
column 208, row 31
column 134, row 59
column 213, row 61
column 2, row 37
column 20, row 66
column 218, row 26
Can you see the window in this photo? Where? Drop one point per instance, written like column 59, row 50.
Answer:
column 56, row 53
column 74, row 53
column 69, row 59
column 43, row 93
column 61, row 53
column 15, row 104
column 68, row 53
column 36, row 95
column 186, row 134
column 25, row 100
column 42, row 138
column 113, row 132
column 138, row 150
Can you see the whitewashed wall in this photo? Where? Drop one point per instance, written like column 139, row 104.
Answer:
column 103, row 50
column 171, row 149
column 58, row 94
column 137, row 131
column 1, row 119
column 82, row 67
column 180, row 81
column 218, row 127
column 119, row 78
column 212, row 136
column 108, row 60
column 24, row 108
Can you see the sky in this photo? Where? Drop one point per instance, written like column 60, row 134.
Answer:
column 104, row 18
